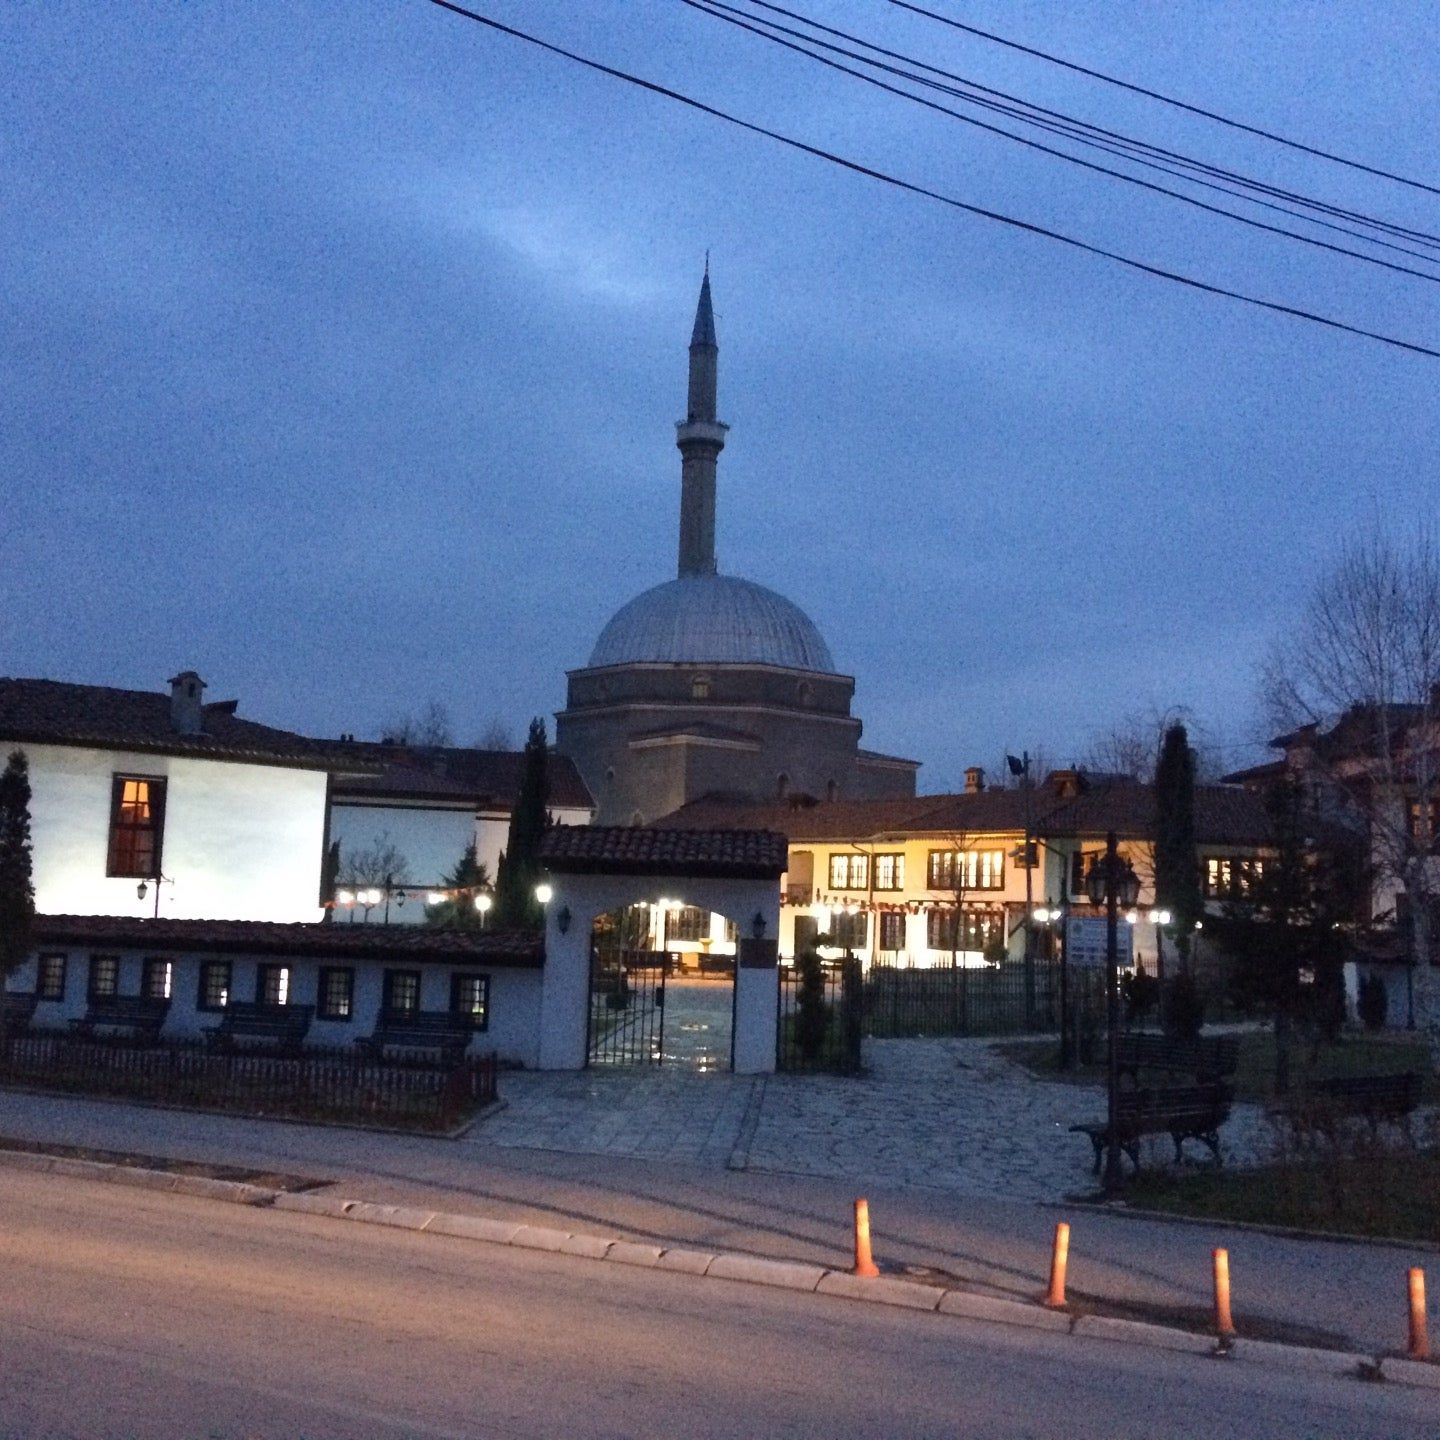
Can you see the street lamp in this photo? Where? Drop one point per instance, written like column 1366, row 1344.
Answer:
column 544, row 893
column 1112, row 882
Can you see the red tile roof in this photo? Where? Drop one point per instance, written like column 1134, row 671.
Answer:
column 635, row 850
column 1224, row 815
column 478, row 777
column 339, row 941
column 54, row 712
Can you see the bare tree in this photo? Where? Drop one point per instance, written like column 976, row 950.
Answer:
column 380, row 865
column 430, row 725
column 1131, row 746
column 1363, row 669
column 497, row 735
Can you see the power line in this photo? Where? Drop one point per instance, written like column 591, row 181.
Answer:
column 914, row 189
column 1165, row 99
column 705, row 7
column 1057, row 122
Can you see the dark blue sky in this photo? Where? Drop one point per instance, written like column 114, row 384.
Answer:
column 343, row 345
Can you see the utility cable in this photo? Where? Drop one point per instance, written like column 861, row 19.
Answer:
column 1165, row 99
column 705, row 8
column 1056, row 121
column 855, row 167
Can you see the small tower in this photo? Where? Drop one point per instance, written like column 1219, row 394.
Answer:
column 701, row 438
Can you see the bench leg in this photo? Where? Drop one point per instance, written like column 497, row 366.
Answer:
column 1099, row 1145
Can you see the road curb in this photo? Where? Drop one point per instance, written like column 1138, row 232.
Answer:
column 886, row 1290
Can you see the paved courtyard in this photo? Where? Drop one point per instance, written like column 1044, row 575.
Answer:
column 946, row 1114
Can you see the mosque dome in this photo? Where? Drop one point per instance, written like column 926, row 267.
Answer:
column 712, row 620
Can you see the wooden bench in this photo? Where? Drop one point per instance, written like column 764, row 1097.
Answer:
column 19, row 1010
column 1208, row 1059
column 1183, row 1112
column 141, row 1015
column 1376, row 1099
column 442, row 1031
column 283, row 1026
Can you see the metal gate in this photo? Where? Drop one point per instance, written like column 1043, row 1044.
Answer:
column 627, row 1006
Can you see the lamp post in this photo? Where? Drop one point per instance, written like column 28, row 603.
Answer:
column 1113, row 883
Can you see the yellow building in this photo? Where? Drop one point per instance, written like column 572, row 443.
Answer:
column 942, row 879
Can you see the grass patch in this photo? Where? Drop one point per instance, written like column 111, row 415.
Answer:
column 1255, row 1075
column 1392, row 1195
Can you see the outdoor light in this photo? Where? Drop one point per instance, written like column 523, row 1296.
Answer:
column 344, row 897
column 562, row 920
column 1160, row 917
column 544, row 892
column 370, row 897
column 1132, row 917
column 435, row 897
column 757, row 926
column 483, row 903
column 141, row 890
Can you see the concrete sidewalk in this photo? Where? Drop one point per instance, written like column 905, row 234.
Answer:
column 1325, row 1292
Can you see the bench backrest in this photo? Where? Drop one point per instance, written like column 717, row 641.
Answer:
column 1165, row 1102
column 1399, row 1091
column 127, row 1007
column 256, row 1017
column 424, row 1021
column 1208, row 1055
column 19, row 1002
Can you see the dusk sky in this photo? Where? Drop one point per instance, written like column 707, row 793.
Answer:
column 343, row 346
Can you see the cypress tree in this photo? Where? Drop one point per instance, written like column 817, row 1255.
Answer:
column 17, row 888
column 1177, row 866
column 519, row 869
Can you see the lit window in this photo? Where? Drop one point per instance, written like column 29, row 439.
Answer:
column 850, row 932
column 137, row 824
column 470, row 997
column 50, row 978
column 272, row 985
column 402, row 991
column 967, row 870
column 889, row 872
column 104, row 976
column 849, row 872
column 963, row 930
column 155, row 980
column 214, row 991
column 700, row 688
column 892, row 930
column 336, row 994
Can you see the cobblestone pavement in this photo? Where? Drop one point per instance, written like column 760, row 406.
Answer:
column 946, row 1114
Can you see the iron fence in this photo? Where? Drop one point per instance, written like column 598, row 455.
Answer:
column 821, row 1021
column 317, row 1085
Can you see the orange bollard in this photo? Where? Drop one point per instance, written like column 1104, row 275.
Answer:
column 1419, row 1329
column 1059, row 1258
column 864, row 1262
column 1224, row 1324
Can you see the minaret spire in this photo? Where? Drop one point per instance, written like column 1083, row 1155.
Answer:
column 701, row 438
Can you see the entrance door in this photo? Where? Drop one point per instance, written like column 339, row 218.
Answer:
column 627, row 1006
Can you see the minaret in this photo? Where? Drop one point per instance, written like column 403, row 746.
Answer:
column 701, row 438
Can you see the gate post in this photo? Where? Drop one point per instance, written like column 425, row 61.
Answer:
column 757, row 1005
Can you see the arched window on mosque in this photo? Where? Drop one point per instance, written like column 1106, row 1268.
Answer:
column 806, row 692
column 700, row 688
column 832, row 790
column 782, row 786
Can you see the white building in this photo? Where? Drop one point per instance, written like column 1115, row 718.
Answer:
column 424, row 804
column 148, row 804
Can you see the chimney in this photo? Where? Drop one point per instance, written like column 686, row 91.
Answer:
column 974, row 780
column 1065, row 783
column 187, row 708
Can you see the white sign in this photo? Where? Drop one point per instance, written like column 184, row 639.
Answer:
column 1085, row 942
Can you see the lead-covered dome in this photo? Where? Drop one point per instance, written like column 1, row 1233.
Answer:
column 712, row 620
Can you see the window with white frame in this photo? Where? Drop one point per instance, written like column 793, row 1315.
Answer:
column 890, row 872
column 849, row 872
column 214, row 992
column 50, row 977
column 966, row 870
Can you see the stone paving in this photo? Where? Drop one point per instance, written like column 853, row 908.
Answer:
column 945, row 1114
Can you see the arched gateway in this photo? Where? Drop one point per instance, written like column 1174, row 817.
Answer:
column 596, row 870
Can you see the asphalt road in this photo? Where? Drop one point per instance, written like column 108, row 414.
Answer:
column 1323, row 1293
column 127, row 1314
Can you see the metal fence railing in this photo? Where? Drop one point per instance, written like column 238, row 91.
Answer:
column 317, row 1085
column 821, row 1019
